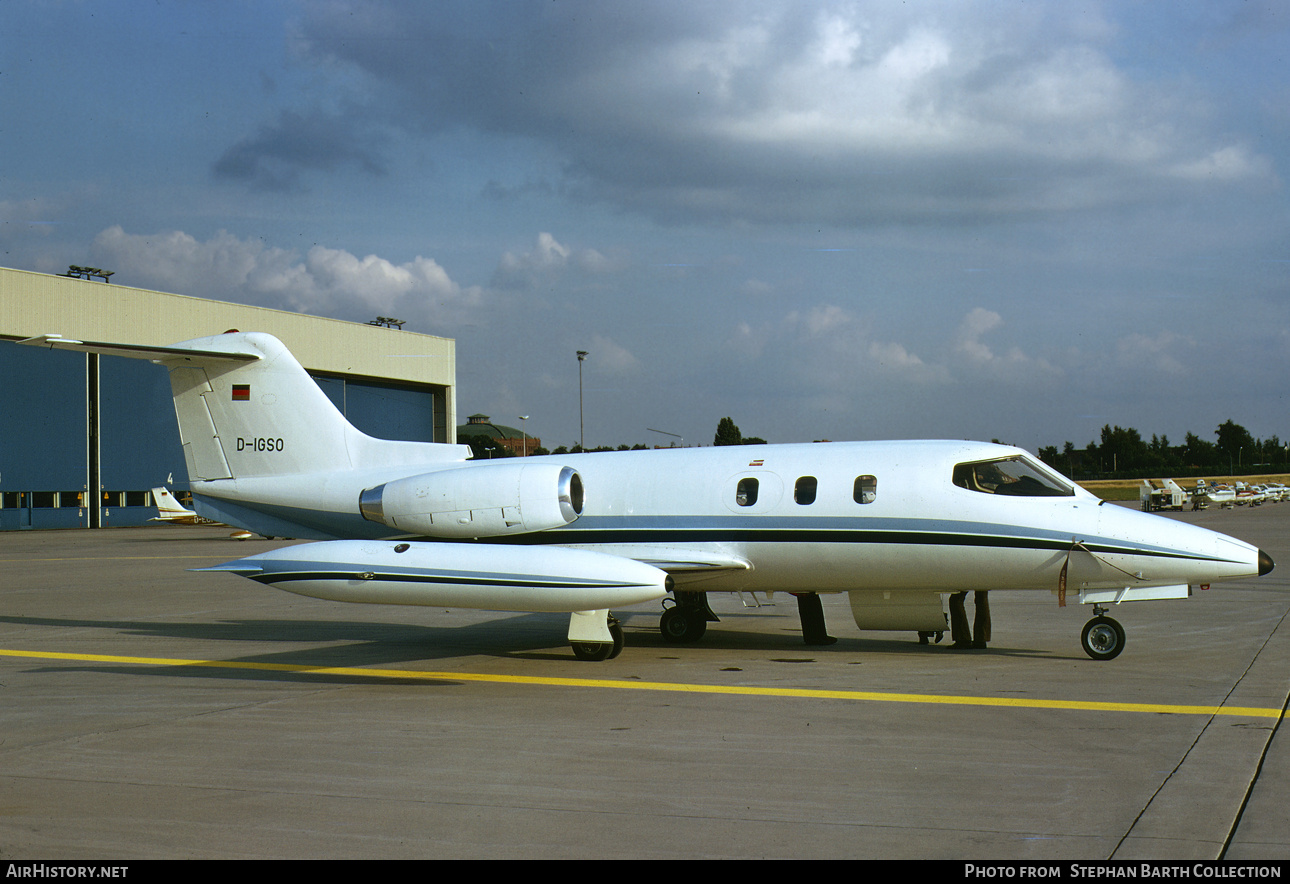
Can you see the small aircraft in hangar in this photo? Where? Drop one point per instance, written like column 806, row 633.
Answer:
column 896, row 525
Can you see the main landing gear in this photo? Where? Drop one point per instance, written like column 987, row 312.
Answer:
column 688, row 619
column 1103, row 637
column 600, row 650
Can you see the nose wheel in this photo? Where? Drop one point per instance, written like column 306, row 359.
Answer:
column 1103, row 637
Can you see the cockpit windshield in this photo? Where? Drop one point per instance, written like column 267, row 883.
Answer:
column 1016, row 476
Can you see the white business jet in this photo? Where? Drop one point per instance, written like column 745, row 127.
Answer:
column 896, row 525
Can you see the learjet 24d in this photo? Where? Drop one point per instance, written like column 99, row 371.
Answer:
column 896, row 525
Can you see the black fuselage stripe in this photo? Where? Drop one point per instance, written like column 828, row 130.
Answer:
column 271, row 577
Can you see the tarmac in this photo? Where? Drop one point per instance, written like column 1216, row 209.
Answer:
column 152, row 713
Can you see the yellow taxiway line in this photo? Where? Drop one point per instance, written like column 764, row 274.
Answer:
column 673, row 687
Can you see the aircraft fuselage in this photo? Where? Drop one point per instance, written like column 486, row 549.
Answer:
column 826, row 517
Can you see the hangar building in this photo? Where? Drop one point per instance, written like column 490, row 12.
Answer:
column 84, row 438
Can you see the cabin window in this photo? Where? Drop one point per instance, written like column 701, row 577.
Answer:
column 804, row 490
column 746, row 492
column 1013, row 476
column 865, row 489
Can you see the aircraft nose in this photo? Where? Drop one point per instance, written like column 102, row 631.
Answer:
column 1265, row 563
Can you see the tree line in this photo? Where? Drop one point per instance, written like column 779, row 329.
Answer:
column 1123, row 453
column 483, row 447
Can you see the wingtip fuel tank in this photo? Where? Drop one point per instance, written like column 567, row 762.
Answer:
column 461, row 575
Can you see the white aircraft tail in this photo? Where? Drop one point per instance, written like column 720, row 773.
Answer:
column 248, row 409
column 169, row 509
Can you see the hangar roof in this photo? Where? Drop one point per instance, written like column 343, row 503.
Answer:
column 37, row 303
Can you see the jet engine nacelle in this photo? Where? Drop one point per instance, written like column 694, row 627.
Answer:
column 478, row 501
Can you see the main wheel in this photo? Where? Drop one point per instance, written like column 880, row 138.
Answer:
column 682, row 625
column 1103, row 638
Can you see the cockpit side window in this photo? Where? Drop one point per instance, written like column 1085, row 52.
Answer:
column 1015, row 476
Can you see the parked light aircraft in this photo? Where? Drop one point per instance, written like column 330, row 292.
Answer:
column 1206, row 494
column 169, row 509
column 897, row 525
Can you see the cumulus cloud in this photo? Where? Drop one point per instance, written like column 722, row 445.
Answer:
column 828, row 347
column 1165, row 352
column 775, row 111
column 324, row 281
column 1231, row 163
column 1013, row 365
column 611, row 355
column 547, row 260
column 830, row 351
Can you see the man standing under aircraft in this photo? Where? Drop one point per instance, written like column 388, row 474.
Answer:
column 979, row 634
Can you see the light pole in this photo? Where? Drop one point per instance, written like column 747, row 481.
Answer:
column 524, row 434
column 582, row 441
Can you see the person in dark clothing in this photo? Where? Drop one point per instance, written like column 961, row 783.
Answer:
column 963, row 635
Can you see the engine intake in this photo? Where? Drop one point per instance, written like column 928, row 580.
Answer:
column 478, row 500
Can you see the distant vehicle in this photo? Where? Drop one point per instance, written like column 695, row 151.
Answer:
column 1171, row 497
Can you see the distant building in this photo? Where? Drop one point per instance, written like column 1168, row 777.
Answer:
column 509, row 438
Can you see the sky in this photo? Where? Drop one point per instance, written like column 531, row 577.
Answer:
column 980, row 219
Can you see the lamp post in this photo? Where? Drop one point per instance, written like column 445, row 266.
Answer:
column 582, row 441
column 524, row 434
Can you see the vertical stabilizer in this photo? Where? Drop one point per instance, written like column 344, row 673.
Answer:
column 247, row 409
column 259, row 417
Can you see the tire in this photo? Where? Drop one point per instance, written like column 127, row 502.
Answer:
column 595, row 651
column 616, row 630
column 1103, row 638
column 681, row 626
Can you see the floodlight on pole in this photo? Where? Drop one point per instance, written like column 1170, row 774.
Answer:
column 524, row 434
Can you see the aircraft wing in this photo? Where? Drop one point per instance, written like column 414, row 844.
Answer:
column 133, row 351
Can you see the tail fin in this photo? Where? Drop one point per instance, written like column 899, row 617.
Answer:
column 259, row 417
column 168, row 508
column 246, row 408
